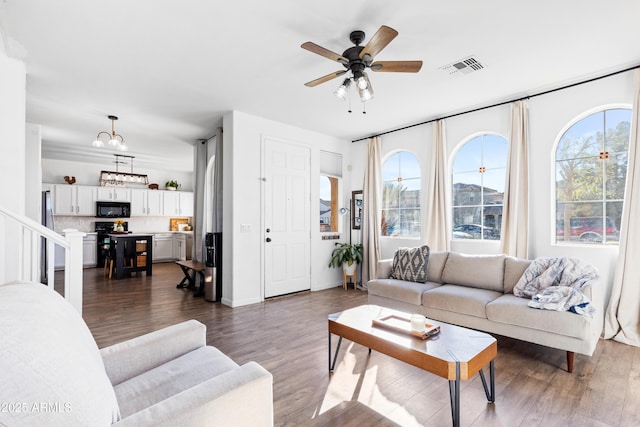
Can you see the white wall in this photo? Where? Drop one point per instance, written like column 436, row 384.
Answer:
column 33, row 165
column 549, row 114
column 12, row 153
column 242, row 251
column 54, row 171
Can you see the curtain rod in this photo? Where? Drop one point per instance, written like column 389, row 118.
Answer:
column 500, row 103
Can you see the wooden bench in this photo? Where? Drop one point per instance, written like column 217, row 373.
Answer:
column 190, row 269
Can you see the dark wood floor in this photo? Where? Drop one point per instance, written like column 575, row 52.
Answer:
column 288, row 336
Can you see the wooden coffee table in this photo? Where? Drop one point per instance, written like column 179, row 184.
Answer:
column 455, row 354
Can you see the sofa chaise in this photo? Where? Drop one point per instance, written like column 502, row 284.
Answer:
column 53, row 374
column 477, row 292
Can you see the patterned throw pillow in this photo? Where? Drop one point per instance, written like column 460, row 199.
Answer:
column 410, row 264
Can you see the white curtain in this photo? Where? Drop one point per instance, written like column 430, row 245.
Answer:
column 438, row 224
column 515, row 212
column 622, row 322
column 217, row 184
column 372, row 197
column 208, row 192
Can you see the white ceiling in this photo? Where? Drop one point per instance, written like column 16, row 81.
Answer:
column 169, row 69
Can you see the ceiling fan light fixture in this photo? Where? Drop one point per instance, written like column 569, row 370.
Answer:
column 365, row 90
column 362, row 80
column 343, row 90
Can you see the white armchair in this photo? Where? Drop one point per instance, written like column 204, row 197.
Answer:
column 54, row 375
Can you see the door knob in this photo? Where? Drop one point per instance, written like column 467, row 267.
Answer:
column 268, row 239
column 268, row 230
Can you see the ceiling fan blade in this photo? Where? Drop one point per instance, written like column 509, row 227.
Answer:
column 312, row 47
column 378, row 42
column 396, row 66
column 326, row 78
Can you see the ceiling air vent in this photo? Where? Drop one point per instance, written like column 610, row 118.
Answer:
column 464, row 66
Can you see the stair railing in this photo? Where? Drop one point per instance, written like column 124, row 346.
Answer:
column 21, row 240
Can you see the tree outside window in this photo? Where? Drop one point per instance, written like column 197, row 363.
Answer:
column 478, row 177
column 591, row 170
column 401, row 196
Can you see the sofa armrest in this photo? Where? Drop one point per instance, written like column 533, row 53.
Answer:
column 127, row 359
column 384, row 268
column 240, row 397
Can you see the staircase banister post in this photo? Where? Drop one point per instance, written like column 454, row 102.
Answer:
column 73, row 292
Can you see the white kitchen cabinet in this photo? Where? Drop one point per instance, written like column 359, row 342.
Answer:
column 180, row 247
column 74, row 200
column 146, row 202
column 178, row 203
column 115, row 194
column 163, row 247
column 186, row 203
column 189, row 250
column 89, row 254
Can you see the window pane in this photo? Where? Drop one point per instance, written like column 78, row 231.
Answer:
column 478, row 194
column 618, row 123
column 579, row 179
column 614, row 219
column 390, row 222
column 328, row 204
column 493, row 186
column 467, row 223
column 492, row 222
column 466, row 189
column 494, row 153
column 583, row 139
column 616, row 176
column 469, row 156
column 409, row 166
column 579, row 222
column 410, row 199
column 391, row 168
column 401, row 196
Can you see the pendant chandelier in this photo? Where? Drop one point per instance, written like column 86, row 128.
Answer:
column 111, row 178
column 115, row 140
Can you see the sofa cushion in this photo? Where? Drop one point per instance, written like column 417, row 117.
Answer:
column 513, row 270
column 400, row 290
column 48, row 355
column 476, row 271
column 410, row 264
column 384, row 268
column 171, row 378
column 513, row 310
column 460, row 299
column 436, row 265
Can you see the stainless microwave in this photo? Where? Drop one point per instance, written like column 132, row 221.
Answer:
column 113, row 209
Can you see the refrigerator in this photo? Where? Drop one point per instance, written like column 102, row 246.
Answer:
column 46, row 219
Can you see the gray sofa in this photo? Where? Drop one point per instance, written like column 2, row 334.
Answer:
column 53, row 374
column 477, row 292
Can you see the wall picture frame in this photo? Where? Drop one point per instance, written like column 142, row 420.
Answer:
column 357, row 205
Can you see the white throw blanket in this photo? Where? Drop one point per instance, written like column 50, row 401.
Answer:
column 556, row 284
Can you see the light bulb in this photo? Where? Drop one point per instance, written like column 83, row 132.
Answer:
column 98, row 143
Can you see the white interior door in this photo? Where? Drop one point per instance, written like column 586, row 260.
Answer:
column 287, row 233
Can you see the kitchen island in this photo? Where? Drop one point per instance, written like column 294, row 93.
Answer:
column 132, row 252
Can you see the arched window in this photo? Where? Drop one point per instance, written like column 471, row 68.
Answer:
column 591, row 169
column 401, row 196
column 478, row 176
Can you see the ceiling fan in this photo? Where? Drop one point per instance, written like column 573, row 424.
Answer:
column 358, row 58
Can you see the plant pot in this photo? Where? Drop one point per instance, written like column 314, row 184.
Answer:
column 171, row 188
column 349, row 270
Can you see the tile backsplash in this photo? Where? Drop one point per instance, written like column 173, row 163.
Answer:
column 145, row 224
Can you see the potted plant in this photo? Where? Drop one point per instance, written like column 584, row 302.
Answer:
column 172, row 185
column 346, row 255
